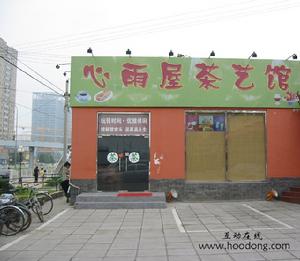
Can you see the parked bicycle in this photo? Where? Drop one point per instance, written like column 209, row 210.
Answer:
column 11, row 220
column 41, row 203
column 10, row 200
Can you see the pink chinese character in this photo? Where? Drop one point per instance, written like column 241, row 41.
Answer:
column 89, row 70
column 170, row 76
column 282, row 73
column 132, row 76
column 206, row 77
column 242, row 73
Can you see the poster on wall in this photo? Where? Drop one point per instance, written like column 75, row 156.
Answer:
column 205, row 122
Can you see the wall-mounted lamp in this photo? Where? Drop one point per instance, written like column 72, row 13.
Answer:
column 90, row 50
column 253, row 55
column 212, row 53
column 171, row 53
column 294, row 56
column 65, row 73
column 59, row 64
column 128, row 52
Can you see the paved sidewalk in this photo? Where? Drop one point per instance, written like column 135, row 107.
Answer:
column 58, row 206
column 247, row 230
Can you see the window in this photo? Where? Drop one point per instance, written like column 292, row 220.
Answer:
column 225, row 146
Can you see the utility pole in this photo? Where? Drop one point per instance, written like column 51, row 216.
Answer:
column 16, row 137
column 66, row 110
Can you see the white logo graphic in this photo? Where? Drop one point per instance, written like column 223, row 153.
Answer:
column 112, row 157
column 134, row 157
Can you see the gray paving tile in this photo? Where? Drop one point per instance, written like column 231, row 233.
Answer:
column 27, row 258
column 181, row 252
column 247, row 256
column 56, row 258
column 119, row 258
column 295, row 253
column 277, row 255
column 101, row 239
column 181, row 245
column 125, row 245
column 35, row 255
column 91, row 253
column 83, row 259
column 95, row 246
column 151, row 245
column 64, row 246
column 64, row 253
column 40, row 246
column 6, row 254
column 72, row 240
column 186, row 258
column 150, row 253
column 122, row 252
column 181, row 239
column 151, row 258
column 218, row 257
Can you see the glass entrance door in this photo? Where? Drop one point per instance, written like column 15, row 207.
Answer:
column 123, row 163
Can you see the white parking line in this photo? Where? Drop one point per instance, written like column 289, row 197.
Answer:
column 268, row 216
column 13, row 242
column 238, row 229
column 39, row 228
column 178, row 221
column 182, row 229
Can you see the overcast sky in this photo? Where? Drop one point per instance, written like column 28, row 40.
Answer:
column 47, row 32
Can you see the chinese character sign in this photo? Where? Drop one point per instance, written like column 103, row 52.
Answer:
column 123, row 124
column 183, row 82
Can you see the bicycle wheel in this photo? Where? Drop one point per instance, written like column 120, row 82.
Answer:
column 46, row 202
column 27, row 215
column 37, row 209
column 12, row 219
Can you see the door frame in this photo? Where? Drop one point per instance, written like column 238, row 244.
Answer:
column 99, row 136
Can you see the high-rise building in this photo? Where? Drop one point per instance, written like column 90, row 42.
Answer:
column 8, row 77
column 48, row 117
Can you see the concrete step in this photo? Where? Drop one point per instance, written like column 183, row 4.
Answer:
column 114, row 200
column 290, row 199
column 119, row 205
column 113, row 197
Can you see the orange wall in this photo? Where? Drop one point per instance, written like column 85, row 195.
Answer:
column 283, row 139
column 84, row 143
column 167, row 138
column 167, row 144
column 167, row 148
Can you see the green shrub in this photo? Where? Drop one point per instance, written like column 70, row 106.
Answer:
column 53, row 181
column 4, row 185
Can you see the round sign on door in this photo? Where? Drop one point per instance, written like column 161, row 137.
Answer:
column 112, row 157
column 134, row 157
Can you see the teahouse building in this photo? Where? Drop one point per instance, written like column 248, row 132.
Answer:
column 209, row 128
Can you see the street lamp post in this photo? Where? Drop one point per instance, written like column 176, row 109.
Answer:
column 20, row 150
column 16, row 136
column 66, row 108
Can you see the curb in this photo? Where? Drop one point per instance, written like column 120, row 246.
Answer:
column 57, row 194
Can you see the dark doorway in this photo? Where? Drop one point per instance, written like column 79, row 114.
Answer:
column 123, row 163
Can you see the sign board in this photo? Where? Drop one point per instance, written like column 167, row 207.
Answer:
column 123, row 124
column 183, row 82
